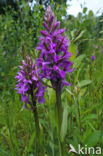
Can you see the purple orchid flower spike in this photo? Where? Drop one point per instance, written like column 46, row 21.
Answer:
column 28, row 83
column 54, row 59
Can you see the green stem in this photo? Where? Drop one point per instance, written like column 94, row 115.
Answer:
column 59, row 105
column 79, row 115
column 59, row 116
column 35, row 113
column 36, row 121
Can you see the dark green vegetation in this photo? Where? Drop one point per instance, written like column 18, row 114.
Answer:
column 82, row 102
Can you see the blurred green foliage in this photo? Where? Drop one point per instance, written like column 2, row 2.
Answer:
column 82, row 102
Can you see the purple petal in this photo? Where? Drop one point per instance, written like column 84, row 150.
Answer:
column 44, row 33
column 24, row 98
column 46, row 26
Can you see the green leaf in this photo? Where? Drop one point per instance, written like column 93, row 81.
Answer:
column 93, row 138
column 64, row 123
column 52, row 97
column 31, row 154
column 84, row 10
column 73, row 51
column 72, row 34
column 101, row 20
column 82, row 92
column 3, row 152
column 101, row 32
column 80, row 35
column 78, row 61
column 84, row 83
column 91, row 125
column 52, row 147
column 90, row 117
column 28, row 148
column 90, row 13
column 69, row 91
